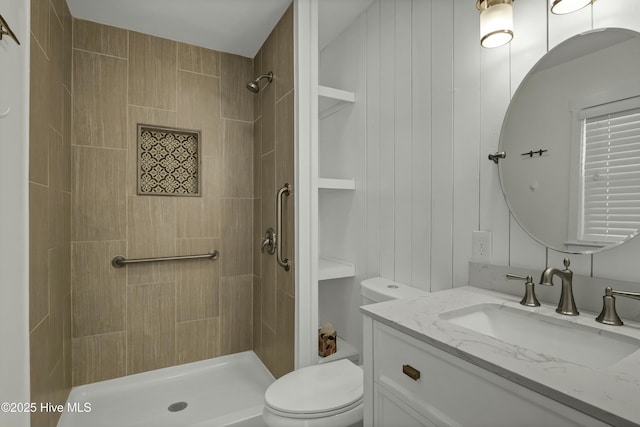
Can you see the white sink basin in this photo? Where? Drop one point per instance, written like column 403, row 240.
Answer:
column 556, row 338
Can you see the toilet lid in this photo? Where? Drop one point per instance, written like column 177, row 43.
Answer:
column 317, row 389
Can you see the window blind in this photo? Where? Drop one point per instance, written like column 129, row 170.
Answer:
column 611, row 176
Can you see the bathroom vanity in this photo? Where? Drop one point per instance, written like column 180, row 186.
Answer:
column 474, row 357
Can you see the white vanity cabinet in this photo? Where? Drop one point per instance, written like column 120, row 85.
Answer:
column 449, row 391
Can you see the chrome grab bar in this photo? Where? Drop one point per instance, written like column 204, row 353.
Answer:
column 283, row 262
column 120, row 261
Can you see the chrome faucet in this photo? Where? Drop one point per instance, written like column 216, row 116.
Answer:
column 567, row 305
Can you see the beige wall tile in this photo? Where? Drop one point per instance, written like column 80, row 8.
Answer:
column 58, row 394
column 151, row 225
column 257, row 315
column 199, row 108
column 237, row 155
column 268, row 347
column 258, row 237
column 285, row 121
column 38, row 254
column 58, row 8
column 201, row 216
column 38, row 115
column 197, row 281
column 257, row 157
column 40, row 23
column 268, row 52
column 66, row 143
column 284, row 54
column 237, row 101
column 99, row 357
column 197, row 340
column 146, row 116
column 151, row 322
column 100, row 100
column 40, row 381
column 236, row 254
column 198, row 59
column 56, row 68
column 100, row 38
column 66, row 344
column 236, row 324
column 152, row 71
column 99, row 199
column 67, row 48
column 56, row 315
column 267, row 261
column 268, row 120
column 284, row 350
column 56, row 205
column 257, row 98
column 99, row 304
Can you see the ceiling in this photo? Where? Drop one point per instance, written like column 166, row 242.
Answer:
column 234, row 26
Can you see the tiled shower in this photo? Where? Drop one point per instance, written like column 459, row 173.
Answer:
column 91, row 84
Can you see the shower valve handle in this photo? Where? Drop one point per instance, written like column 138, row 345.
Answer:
column 269, row 242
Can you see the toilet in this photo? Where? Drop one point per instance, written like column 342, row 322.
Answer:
column 328, row 394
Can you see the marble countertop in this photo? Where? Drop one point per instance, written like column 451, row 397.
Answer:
column 610, row 393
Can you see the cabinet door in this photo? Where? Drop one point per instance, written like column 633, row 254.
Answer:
column 452, row 392
column 391, row 411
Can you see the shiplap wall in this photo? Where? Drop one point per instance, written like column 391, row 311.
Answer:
column 434, row 102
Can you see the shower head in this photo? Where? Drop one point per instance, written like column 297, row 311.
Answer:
column 253, row 85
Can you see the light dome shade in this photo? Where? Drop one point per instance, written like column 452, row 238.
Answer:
column 496, row 25
column 561, row 7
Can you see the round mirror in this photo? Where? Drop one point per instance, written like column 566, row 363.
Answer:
column 571, row 175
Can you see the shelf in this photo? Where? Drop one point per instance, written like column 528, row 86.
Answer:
column 332, row 100
column 336, row 184
column 334, row 269
column 346, row 350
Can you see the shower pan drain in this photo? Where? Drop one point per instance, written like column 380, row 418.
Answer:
column 177, row 407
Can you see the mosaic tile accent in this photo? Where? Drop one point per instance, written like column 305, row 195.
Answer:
column 168, row 161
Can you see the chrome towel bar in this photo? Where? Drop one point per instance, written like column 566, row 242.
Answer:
column 121, row 261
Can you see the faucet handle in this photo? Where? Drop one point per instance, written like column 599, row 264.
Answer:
column 608, row 315
column 529, row 298
column 566, row 263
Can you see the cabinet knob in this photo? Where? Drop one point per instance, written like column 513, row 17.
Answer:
column 411, row 372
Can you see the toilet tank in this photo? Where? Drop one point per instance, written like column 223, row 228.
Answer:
column 379, row 289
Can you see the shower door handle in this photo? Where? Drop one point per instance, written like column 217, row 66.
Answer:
column 284, row 191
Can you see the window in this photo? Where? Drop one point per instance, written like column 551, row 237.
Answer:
column 610, row 174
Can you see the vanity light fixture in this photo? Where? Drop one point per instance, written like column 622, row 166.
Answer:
column 496, row 22
column 561, row 7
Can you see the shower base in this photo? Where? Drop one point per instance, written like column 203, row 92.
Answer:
column 224, row 391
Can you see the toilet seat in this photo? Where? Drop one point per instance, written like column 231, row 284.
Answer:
column 317, row 391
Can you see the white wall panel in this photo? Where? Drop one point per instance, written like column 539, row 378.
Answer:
column 563, row 27
column 617, row 13
column 421, row 150
column 442, row 147
column 435, row 102
column 372, row 155
column 495, row 94
column 466, row 150
column 387, row 138
column 403, row 141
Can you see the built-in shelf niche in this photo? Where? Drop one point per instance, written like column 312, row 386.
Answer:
column 332, row 100
column 336, row 184
column 345, row 350
column 329, row 268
